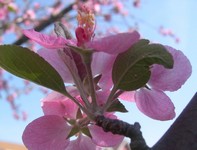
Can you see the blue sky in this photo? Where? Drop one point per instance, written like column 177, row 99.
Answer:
column 178, row 15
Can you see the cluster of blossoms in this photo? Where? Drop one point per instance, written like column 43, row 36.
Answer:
column 15, row 15
column 85, row 65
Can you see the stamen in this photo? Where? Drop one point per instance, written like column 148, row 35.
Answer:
column 86, row 20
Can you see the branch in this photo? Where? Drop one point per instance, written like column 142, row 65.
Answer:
column 122, row 128
column 46, row 23
column 182, row 135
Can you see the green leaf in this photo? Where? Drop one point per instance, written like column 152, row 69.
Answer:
column 73, row 131
column 86, row 131
column 117, row 106
column 131, row 69
column 28, row 65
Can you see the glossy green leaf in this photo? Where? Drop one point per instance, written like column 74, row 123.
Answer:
column 117, row 106
column 28, row 65
column 131, row 69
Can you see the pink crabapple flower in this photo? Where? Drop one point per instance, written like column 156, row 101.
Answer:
column 108, row 47
column 85, row 34
column 154, row 102
column 50, row 131
column 58, row 108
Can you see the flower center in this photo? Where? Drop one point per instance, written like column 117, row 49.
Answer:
column 86, row 25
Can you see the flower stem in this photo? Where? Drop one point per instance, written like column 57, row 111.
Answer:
column 82, row 93
column 78, row 104
column 87, row 63
column 71, row 66
column 110, row 98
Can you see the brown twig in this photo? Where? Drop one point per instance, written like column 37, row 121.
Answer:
column 122, row 128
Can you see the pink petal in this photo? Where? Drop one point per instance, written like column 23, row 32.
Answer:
column 171, row 79
column 52, row 57
column 110, row 115
column 81, row 143
column 102, row 97
column 104, row 139
column 102, row 63
column 46, row 133
column 128, row 96
column 57, row 104
column 106, row 82
column 155, row 104
column 47, row 41
column 114, row 44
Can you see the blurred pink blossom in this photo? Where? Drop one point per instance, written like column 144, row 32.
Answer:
column 3, row 13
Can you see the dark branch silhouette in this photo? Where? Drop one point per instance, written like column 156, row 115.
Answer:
column 122, row 128
column 46, row 23
column 182, row 135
